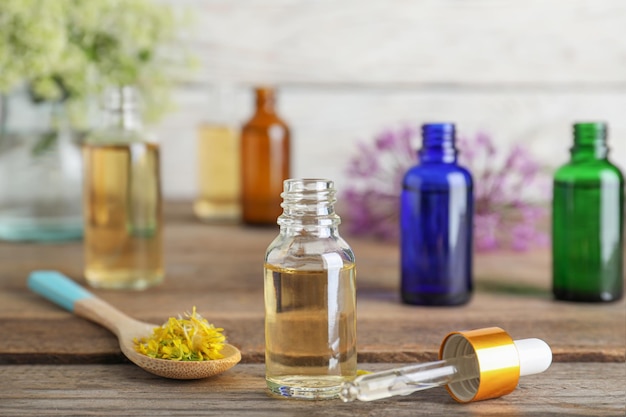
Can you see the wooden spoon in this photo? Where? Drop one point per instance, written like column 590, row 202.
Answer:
column 61, row 290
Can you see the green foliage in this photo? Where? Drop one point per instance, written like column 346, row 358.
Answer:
column 69, row 50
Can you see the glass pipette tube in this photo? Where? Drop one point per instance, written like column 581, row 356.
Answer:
column 409, row 379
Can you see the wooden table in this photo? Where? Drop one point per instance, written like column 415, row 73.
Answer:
column 53, row 363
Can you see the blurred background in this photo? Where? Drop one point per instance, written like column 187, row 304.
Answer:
column 520, row 71
column 345, row 73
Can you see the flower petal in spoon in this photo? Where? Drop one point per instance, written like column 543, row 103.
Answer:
column 61, row 290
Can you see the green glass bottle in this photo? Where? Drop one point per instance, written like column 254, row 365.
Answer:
column 588, row 221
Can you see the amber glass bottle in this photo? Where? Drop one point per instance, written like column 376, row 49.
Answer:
column 265, row 154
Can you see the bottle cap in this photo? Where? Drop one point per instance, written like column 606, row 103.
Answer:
column 500, row 361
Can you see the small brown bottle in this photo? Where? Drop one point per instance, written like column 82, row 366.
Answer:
column 265, row 154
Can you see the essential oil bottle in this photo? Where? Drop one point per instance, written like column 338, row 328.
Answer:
column 588, row 221
column 310, row 297
column 219, row 189
column 436, row 215
column 122, row 199
column 265, row 161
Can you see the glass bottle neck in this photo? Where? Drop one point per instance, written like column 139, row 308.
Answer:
column 265, row 99
column 438, row 144
column 308, row 208
column 589, row 142
column 121, row 109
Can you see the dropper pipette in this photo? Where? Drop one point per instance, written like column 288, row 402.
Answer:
column 475, row 365
column 408, row 379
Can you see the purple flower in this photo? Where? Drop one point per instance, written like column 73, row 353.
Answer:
column 385, row 141
column 485, row 231
column 376, row 173
column 503, row 216
column 503, row 219
column 365, row 165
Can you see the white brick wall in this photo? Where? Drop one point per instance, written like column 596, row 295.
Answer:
column 521, row 71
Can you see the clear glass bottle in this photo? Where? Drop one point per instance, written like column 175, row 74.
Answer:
column 122, row 199
column 265, row 164
column 218, row 162
column 588, row 221
column 40, row 171
column 436, row 216
column 310, row 297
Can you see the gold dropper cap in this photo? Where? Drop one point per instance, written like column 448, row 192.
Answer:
column 498, row 363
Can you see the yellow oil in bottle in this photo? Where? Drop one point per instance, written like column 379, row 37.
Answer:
column 123, row 228
column 310, row 330
column 218, row 174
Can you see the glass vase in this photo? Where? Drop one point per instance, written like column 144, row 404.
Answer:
column 40, row 173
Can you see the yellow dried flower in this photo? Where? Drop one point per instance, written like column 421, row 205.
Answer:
column 191, row 338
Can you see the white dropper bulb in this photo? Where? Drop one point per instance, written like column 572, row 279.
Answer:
column 535, row 356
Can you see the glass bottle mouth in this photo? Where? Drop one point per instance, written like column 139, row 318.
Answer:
column 590, row 136
column 438, row 133
column 308, row 202
column 125, row 98
column 121, row 107
column 265, row 97
column 438, row 143
column 307, row 185
column 590, row 132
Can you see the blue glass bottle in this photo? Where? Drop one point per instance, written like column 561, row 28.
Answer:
column 436, row 217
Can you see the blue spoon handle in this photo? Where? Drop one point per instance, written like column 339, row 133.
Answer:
column 57, row 288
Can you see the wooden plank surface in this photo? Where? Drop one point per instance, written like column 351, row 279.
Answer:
column 219, row 270
column 570, row 389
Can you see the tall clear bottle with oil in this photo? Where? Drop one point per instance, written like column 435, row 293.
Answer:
column 218, row 161
column 122, row 199
column 310, row 297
